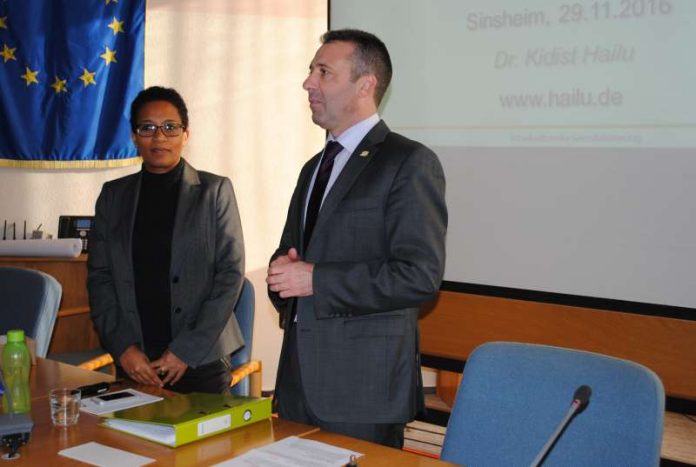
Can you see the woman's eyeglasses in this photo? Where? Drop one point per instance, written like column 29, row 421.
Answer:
column 148, row 130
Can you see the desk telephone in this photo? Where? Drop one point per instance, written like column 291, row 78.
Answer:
column 76, row 227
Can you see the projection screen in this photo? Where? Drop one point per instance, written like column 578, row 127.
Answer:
column 567, row 133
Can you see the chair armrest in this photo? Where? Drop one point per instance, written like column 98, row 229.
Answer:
column 97, row 362
column 252, row 369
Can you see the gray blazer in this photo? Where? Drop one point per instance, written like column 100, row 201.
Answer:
column 207, row 268
column 379, row 253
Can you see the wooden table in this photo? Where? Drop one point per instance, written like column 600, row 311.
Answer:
column 50, row 374
column 47, row 440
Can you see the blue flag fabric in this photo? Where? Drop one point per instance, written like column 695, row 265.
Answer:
column 69, row 70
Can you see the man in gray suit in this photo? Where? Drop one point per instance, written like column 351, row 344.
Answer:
column 363, row 247
column 166, row 259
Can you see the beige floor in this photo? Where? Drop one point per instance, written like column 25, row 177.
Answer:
column 679, row 439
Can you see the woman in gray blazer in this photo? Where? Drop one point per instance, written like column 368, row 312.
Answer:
column 166, row 259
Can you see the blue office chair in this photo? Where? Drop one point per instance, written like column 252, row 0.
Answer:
column 513, row 396
column 242, row 364
column 246, row 373
column 29, row 300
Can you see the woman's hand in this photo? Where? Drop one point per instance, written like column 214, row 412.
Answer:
column 170, row 368
column 137, row 366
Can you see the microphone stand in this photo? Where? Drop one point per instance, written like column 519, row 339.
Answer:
column 580, row 400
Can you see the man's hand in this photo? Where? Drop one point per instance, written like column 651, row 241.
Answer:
column 289, row 276
column 171, row 367
column 137, row 366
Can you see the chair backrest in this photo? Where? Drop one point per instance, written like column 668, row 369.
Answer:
column 29, row 300
column 244, row 312
column 513, row 396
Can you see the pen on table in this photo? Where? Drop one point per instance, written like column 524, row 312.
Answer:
column 25, row 229
column 14, row 231
column 4, row 231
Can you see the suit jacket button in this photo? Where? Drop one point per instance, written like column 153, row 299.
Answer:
column 175, row 279
column 177, row 310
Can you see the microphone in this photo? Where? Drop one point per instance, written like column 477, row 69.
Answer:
column 581, row 399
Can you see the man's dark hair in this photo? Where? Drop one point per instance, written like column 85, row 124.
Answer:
column 158, row 93
column 370, row 56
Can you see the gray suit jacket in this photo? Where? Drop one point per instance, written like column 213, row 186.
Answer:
column 379, row 252
column 207, row 268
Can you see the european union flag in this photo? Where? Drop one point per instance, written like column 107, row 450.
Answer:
column 69, row 70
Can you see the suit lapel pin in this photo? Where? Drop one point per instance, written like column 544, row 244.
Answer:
column 364, row 153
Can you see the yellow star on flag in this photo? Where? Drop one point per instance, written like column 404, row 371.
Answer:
column 87, row 77
column 109, row 56
column 59, row 85
column 30, row 76
column 116, row 26
column 3, row 22
column 111, row 1
column 8, row 53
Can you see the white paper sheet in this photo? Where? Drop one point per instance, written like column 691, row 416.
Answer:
column 293, row 452
column 91, row 405
column 104, row 456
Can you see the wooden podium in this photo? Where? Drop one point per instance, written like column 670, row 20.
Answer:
column 73, row 331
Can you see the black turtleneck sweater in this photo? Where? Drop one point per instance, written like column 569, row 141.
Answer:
column 152, row 252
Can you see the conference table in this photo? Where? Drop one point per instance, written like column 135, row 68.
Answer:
column 47, row 440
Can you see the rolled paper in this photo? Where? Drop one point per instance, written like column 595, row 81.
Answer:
column 69, row 247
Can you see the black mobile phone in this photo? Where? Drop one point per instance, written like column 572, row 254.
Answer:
column 113, row 396
column 89, row 390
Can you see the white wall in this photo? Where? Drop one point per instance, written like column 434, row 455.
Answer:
column 239, row 66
